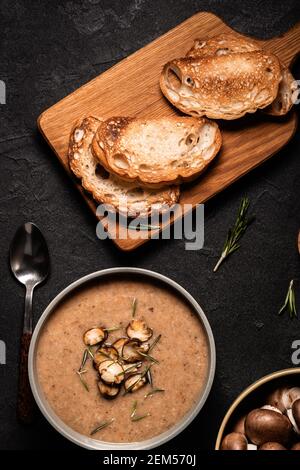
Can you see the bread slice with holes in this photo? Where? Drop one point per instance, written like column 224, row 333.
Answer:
column 127, row 198
column 222, row 86
column 156, row 152
column 224, row 44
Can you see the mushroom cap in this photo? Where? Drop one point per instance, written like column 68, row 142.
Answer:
column 265, row 425
column 138, row 329
column 272, row 446
column 135, row 382
column 234, row 441
column 108, row 391
column 130, row 351
column 111, row 372
column 94, row 336
column 105, row 352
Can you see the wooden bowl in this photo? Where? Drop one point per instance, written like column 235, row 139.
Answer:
column 253, row 397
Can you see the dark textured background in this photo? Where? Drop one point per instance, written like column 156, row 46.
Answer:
column 50, row 48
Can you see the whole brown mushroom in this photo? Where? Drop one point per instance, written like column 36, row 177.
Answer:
column 272, row 446
column 267, row 425
column 234, row 441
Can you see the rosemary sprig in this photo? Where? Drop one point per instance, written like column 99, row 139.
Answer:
column 145, row 372
column 81, row 379
column 235, row 233
column 153, row 391
column 290, row 302
column 139, row 417
column 82, row 370
column 84, row 359
column 90, row 352
column 134, row 408
column 154, row 343
column 113, row 363
column 150, row 358
column 129, row 369
column 102, row 426
column 133, row 307
column 134, row 417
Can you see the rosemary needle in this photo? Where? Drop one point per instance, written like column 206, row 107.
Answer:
column 138, row 418
column 235, row 233
column 152, row 392
column 84, row 359
column 150, row 358
column 290, row 302
column 134, row 416
column 82, row 370
column 90, row 352
column 154, row 343
column 83, row 381
column 134, row 408
column 102, row 426
column 133, row 307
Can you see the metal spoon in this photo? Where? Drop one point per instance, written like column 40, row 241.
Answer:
column 29, row 261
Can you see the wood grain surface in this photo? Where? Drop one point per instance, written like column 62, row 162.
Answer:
column 131, row 88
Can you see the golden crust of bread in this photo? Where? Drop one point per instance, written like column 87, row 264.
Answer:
column 156, row 152
column 224, row 86
column 222, row 44
column 127, row 198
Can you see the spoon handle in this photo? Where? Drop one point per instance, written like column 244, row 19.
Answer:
column 25, row 399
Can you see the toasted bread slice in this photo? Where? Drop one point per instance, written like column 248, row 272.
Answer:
column 222, row 44
column 222, row 87
column 156, row 152
column 127, row 198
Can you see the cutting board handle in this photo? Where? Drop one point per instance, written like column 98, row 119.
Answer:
column 286, row 46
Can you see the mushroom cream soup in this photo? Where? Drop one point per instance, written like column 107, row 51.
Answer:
column 159, row 339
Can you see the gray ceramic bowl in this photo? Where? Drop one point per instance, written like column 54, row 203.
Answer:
column 88, row 442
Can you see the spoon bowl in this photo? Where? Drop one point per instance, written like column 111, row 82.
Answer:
column 29, row 256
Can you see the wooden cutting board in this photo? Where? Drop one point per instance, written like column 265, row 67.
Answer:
column 132, row 88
